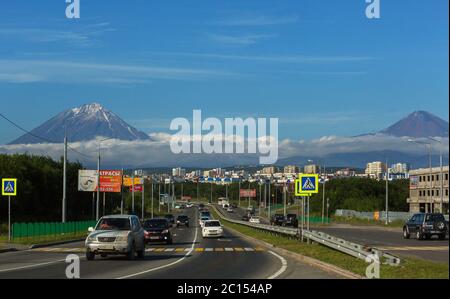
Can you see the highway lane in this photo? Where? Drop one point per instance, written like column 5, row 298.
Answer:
column 189, row 257
column 392, row 241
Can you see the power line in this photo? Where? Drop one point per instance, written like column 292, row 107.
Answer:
column 42, row 138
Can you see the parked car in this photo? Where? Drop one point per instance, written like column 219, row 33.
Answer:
column 206, row 214
column 255, row 220
column 182, row 220
column 189, row 205
column 158, row 230
column 212, row 228
column 291, row 220
column 170, row 218
column 426, row 225
column 230, row 210
column 116, row 235
column 277, row 219
column 201, row 206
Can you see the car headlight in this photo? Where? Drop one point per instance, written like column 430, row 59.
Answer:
column 91, row 239
column 165, row 231
column 122, row 238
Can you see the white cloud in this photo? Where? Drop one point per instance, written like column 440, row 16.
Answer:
column 23, row 71
column 243, row 40
column 119, row 153
column 260, row 20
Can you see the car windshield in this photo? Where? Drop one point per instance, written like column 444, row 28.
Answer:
column 292, row 215
column 182, row 218
column 205, row 218
column 212, row 224
column 156, row 223
column 434, row 217
column 168, row 216
column 114, row 224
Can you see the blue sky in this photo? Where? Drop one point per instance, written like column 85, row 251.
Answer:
column 320, row 66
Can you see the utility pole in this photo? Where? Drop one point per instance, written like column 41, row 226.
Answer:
column 64, row 199
column 239, row 192
column 104, row 203
column 143, row 200
column 323, row 195
column 284, row 197
column 152, row 198
column 270, row 196
column 121, row 195
column 98, row 184
column 159, row 198
column 132, row 192
column 387, row 192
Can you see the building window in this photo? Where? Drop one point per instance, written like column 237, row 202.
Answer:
column 437, row 192
column 446, row 176
column 420, row 178
column 429, row 178
column 446, row 192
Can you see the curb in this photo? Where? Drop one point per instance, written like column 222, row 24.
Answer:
column 9, row 250
column 35, row 246
column 301, row 258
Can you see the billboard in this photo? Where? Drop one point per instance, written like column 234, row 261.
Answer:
column 413, row 182
column 111, row 181
column 137, row 188
column 248, row 193
column 87, row 180
column 128, row 182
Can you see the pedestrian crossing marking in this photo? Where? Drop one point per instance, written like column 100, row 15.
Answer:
column 160, row 250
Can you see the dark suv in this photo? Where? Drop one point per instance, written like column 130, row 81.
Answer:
column 157, row 230
column 426, row 225
column 291, row 220
column 277, row 219
column 182, row 220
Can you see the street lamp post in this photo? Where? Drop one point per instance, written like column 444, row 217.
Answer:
column 441, row 175
column 429, row 199
column 98, row 177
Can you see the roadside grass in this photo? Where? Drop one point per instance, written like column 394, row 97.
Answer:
column 410, row 268
column 42, row 239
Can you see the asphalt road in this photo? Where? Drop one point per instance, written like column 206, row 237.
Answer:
column 389, row 239
column 190, row 257
column 392, row 241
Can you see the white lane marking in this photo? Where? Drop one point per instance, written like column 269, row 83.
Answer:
column 283, row 268
column 249, row 249
column 170, row 250
column 190, row 250
column 35, row 265
column 209, row 249
column 150, row 249
column 229, row 249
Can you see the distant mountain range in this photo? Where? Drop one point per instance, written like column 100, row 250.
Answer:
column 418, row 124
column 91, row 121
column 83, row 123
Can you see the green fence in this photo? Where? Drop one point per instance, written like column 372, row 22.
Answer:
column 32, row 230
column 316, row 219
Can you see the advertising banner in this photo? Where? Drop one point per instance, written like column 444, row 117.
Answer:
column 87, row 180
column 128, row 182
column 110, row 181
column 413, row 182
column 137, row 188
column 248, row 193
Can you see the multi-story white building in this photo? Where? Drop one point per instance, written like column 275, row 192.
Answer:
column 376, row 169
column 428, row 190
column 178, row 172
column 290, row 169
column 311, row 169
column 269, row 170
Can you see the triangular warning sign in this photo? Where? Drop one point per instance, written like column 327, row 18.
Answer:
column 9, row 187
column 308, row 185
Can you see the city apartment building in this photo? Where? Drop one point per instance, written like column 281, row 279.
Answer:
column 178, row 172
column 290, row 169
column 311, row 169
column 428, row 191
column 376, row 169
column 399, row 168
column 269, row 170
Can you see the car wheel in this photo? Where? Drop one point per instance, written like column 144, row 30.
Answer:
column 90, row 256
column 406, row 234
column 103, row 255
column 442, row 236
column 419, row 235
column 132, row 253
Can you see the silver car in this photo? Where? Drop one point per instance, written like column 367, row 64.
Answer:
column 119, row 234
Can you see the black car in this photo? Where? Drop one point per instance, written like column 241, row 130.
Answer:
column 426, row 225
column 205, row 214
column 246, row 217
column 277, row 219
column 170, row 218
column 201, row 206
column 157, row 230
column 291, row 220
column 182, row 220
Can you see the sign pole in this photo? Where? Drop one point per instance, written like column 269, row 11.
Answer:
column 143, row 201
column 152, row 196
column 9, row 218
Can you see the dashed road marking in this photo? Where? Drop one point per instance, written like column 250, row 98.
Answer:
column 415, row 248
column 159, row 250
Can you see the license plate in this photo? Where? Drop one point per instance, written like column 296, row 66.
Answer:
column 154, row 238
column 106, row 247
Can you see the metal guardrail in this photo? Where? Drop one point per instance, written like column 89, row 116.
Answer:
column 356, row 250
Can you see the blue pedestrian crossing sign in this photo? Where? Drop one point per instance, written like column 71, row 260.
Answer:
column 9, row 187
column 307, row 184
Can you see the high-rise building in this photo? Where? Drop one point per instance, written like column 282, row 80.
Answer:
column 290, row 169
column 311, row 169
column 376, row 169
column 178, row 172
column 269, row 170
column 399, row 168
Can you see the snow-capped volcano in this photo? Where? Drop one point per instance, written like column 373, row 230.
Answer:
column 83, row 123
